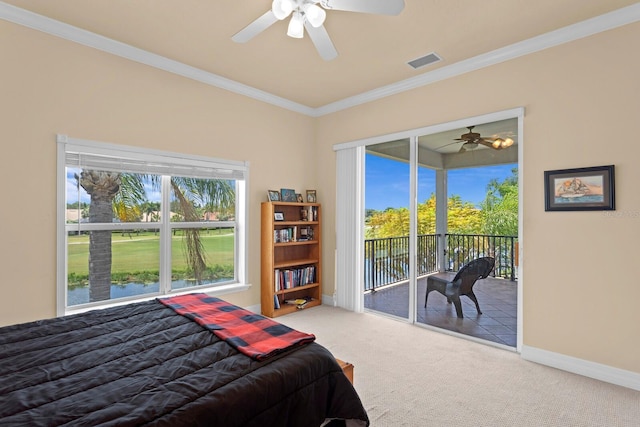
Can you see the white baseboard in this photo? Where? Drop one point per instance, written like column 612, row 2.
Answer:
column 582, row 367
column 328, row 300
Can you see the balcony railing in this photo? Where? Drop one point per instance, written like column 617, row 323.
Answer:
column 387, row 259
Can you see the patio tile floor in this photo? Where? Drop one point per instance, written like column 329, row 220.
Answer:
column 497, row 299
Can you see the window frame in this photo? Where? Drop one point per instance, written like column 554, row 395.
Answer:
column 182, row 163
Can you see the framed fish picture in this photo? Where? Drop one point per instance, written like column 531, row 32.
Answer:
column 580, row 189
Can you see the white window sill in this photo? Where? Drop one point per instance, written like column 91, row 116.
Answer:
column 212, row 291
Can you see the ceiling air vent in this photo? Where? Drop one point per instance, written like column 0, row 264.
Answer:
column 425, row 60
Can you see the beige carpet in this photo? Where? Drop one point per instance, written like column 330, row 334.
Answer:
column 410, row 376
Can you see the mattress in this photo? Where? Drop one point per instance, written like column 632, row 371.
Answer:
column 145, row 364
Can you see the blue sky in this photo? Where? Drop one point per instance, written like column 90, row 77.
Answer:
column 387, row 182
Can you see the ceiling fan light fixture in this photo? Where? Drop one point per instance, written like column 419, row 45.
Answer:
column 282, row 8
column 309, row 16
column 314, row 14
column 500, row 143
column 296, row 26
column 507, row 143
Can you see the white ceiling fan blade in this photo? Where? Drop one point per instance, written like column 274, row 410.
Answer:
column 255, row 28
column 380, row 7
column 321, row 41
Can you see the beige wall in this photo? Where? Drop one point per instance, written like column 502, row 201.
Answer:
column 581, row 107
column 581, row 102
column 50, row 86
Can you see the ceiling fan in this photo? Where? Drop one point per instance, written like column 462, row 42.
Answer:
column 310, row 15
column 473, row 139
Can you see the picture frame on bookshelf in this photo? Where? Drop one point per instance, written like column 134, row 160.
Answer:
column 299, row 198
column 311, row 196
column 288, row 195
column 274, row 195
column 278, row 216
column 306, row 233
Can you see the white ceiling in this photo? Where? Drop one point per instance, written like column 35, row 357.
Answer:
column 373, row 49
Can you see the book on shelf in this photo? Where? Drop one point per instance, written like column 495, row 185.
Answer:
column 285, row 235
column 276, row 302
column 294, row 277
column 300, row 303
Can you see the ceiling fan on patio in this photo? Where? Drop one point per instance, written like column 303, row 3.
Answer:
column 310, row 15
column 472, row 139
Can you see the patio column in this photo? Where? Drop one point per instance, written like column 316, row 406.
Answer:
column 441, row 217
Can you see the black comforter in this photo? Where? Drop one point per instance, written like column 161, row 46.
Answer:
column 144, row 364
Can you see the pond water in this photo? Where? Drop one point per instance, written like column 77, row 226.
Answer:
column 80, row 295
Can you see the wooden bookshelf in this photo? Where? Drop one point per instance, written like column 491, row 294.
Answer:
column 291, row 251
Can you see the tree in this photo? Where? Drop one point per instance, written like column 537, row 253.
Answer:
column 463, row 218
column 427, row 216
column 500, row 207
column 123, row 195
column 390, row 223
column 150, row 211
column 213, row 194
column 102, row 187
column 498, row 214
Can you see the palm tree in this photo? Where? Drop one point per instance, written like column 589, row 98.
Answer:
column 102, row 187
column 123, row 194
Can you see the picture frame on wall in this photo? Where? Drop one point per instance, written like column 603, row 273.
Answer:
column 311, row 196
column 274, row 195
column 288, row 195
column 580, row 189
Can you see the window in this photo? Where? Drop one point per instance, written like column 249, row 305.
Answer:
column 137, row 223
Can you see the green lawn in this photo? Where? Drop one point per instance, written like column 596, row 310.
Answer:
column 140, row 252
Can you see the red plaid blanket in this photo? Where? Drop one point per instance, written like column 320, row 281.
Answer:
column 250, row 333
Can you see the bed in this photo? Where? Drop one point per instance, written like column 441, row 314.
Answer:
column 148, row 363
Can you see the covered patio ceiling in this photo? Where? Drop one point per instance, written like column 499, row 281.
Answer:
column 440, row 151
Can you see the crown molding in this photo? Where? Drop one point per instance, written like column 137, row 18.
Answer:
column 608, row 21
column 69, row 32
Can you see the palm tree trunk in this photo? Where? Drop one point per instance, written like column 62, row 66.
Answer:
column 102, row 187
column 193, row 245
column 100, row 251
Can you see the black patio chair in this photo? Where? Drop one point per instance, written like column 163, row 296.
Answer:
column 462, row 283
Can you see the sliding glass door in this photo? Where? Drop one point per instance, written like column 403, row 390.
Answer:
column 428, row 201
column 387, row 248
column 395, row 171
